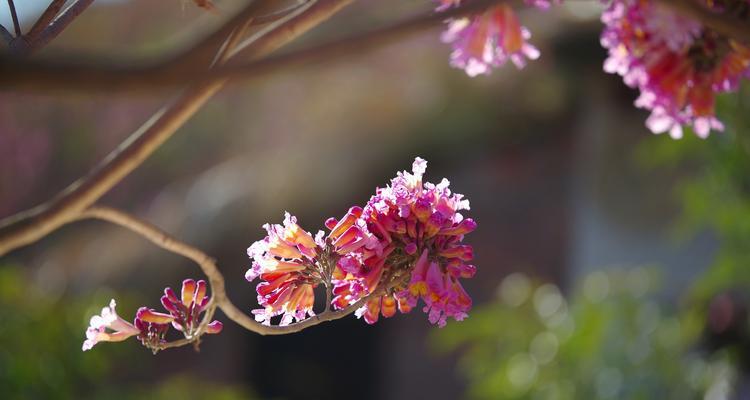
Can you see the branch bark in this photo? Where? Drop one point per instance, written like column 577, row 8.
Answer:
column 46, row 18
column 216, row 279
column 31, row 225
column 43, row 35
column 73, row 75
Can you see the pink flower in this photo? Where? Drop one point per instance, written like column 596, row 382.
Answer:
column 286, row 262
column 151, row 326
column 677, row 64
column 419, row 231
column 186, row 311
column 108, row 327
column 483, row 41
column 405, row 244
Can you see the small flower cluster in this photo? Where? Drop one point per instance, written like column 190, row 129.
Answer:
column 677, row 64
column 405, row 244
column 150, row 326
column 489, row 39
column 287, row 263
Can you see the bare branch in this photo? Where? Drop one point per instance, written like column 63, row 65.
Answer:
column 31, row 225
column 46, row 75
column 46, row 18
column 14, row 16
column 50, row 32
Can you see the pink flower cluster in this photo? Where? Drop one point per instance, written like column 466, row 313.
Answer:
column 151, row 326
column 405, row 244
column 489, row 39
column 677, row 64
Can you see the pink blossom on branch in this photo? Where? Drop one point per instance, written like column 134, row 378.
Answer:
column 150, row 326
column 483, row 41
column 404, row 245
column 108, row 327
column 677, row 64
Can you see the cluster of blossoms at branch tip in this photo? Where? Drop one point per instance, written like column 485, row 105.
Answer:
column 677, row 64
column 150, row 326
column 405, row 244
column 489, row 39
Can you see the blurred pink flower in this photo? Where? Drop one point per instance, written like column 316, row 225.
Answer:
column 677, row 64
column 489, row 39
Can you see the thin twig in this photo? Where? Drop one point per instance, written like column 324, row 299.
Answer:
column 31, row 225
column 59, row 24
column 46, row 18
column 14, row 16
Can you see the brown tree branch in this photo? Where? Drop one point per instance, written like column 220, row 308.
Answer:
column 69, row 75
column 46, row 18
column 31, row 225
column 14, row 17
column 215, row 278
column 39, row 39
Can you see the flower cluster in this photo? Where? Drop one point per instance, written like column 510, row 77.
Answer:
column 150, row 326
column 677, row 64
column 405, row 244
column 489, row 39
column 287, row 263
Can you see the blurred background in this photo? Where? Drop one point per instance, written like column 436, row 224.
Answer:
column 612, row 262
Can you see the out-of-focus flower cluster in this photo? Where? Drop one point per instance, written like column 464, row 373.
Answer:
column 489, row 39
column 677, row 64
column 150, row 326
column 405, row 244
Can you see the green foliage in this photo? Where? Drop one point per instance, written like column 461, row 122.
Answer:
column 714, row 190
column 612, row 340
column 41, row 332
column 41, row 355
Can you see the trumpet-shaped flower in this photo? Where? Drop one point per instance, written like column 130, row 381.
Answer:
column 108, row 327
column 489, row 39
column 151, row 326
column 420, row 252
column 186, row 309
column 677, row 64
column 286, row 260
column 405, row 244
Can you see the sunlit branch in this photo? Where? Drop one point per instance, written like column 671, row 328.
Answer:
column 216, row 279
column 46, row 18
column 42, row 38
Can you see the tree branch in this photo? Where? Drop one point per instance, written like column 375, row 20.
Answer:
column 14, row 16
column 215, row 278
column 41, row 38
column 46, row 18
column 31, row 225
column 61, row 75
